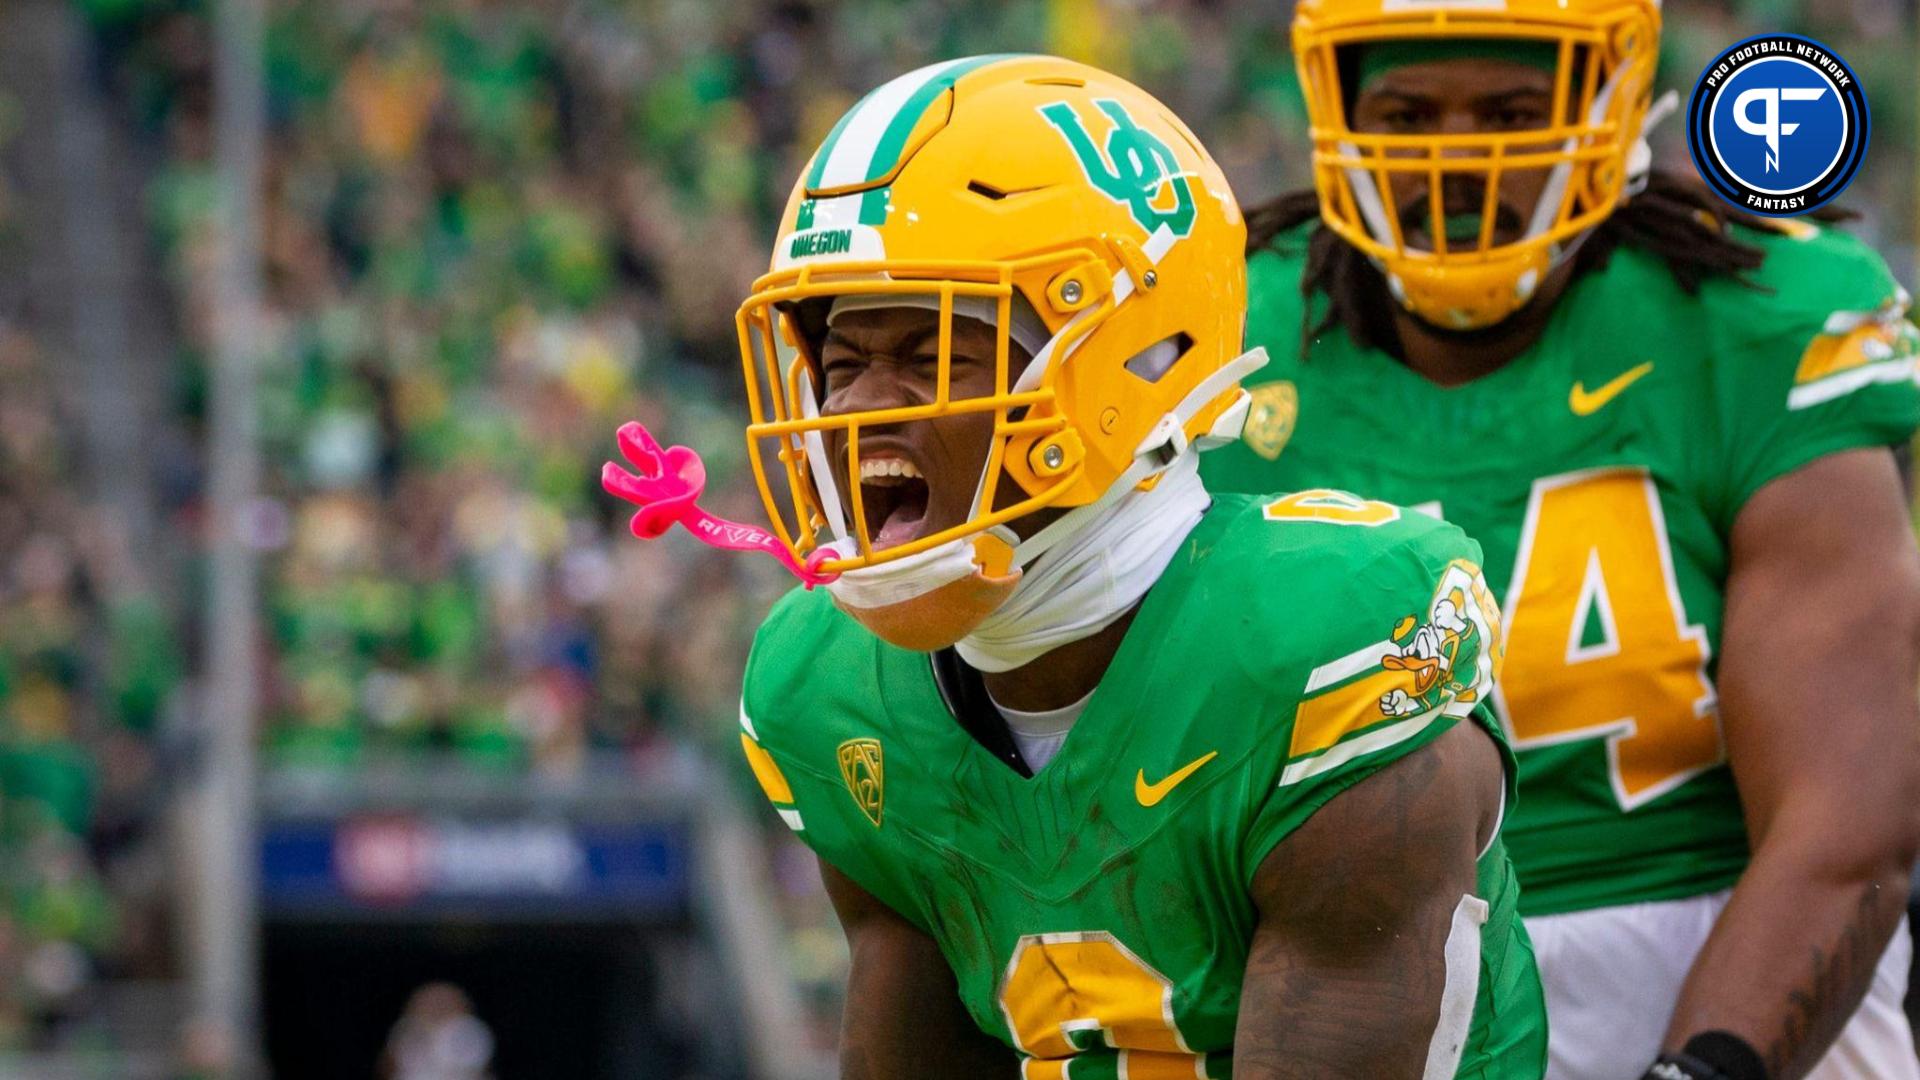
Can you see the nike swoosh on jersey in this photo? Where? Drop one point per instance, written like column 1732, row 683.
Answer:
column 1151, row 794
column 1585, row 403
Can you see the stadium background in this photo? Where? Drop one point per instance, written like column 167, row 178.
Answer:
column 498, row 811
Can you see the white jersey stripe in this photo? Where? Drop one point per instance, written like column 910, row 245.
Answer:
column 1371, row 742
column 1846, row 382
column 1358, row 662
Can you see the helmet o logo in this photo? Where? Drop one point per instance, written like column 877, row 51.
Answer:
column 1778, row 125
column 1136, row 169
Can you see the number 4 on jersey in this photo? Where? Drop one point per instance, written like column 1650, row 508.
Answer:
column 1598, row 643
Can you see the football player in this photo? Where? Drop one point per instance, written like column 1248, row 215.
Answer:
column 1669, row 425
column 1105, row 774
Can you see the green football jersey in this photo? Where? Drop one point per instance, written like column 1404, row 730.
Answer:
column 1097, row 914
column 1602, row 472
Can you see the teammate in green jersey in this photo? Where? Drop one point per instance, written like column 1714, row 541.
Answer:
column 1668, row 426
column 1107, row 777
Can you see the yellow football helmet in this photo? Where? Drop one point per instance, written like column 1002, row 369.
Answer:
column 1022, row 180
column 1607, row 50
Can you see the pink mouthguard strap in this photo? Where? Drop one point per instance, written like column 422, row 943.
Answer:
column 668, row 483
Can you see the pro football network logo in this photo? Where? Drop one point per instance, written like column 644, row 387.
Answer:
column 1778, row 125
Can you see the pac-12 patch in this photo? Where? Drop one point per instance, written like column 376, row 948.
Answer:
column 1778, row 125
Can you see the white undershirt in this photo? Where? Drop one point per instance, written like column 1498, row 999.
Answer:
column 1039, row 734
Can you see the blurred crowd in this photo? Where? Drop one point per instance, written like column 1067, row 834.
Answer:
column 464, row 298
column 494, row 230
column 87, row 666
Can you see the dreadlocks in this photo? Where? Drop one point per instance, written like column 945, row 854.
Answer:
column 1674, row 218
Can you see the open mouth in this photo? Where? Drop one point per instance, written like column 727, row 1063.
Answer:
column 894, row 495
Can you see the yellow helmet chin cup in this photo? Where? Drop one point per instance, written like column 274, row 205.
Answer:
column 1470, row 297
column 942, row 616
column 932, row 621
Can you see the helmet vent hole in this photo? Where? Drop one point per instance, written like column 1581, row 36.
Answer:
column 986, row 191
column 1058, row 80
column 1153, row 362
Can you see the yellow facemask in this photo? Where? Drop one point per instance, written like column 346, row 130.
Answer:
column 1607, row 51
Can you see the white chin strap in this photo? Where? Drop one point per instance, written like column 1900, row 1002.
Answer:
column 1096, row 575
column 1107, row 554
column 1640, row 158
column 904, row 579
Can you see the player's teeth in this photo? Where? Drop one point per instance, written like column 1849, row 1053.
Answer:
column 887, row 467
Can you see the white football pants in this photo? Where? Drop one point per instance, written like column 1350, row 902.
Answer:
column 1612, row 976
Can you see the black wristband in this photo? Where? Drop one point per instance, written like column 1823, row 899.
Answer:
column 1710, row 1055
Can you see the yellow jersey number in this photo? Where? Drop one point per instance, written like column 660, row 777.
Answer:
column 1065, row 993
column 1598, row 643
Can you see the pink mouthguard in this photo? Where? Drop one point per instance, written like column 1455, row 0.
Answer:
column 669, row 482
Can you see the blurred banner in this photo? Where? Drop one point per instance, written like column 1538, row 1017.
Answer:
column 388, row 865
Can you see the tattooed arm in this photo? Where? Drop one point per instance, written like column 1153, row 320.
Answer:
column 1817, row 672
column 1348, row 961
column 903, row 1016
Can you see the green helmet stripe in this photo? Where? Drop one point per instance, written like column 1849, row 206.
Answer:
column 867, row 141
column 849, row 161
column 873, row 206
column 886, row 153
